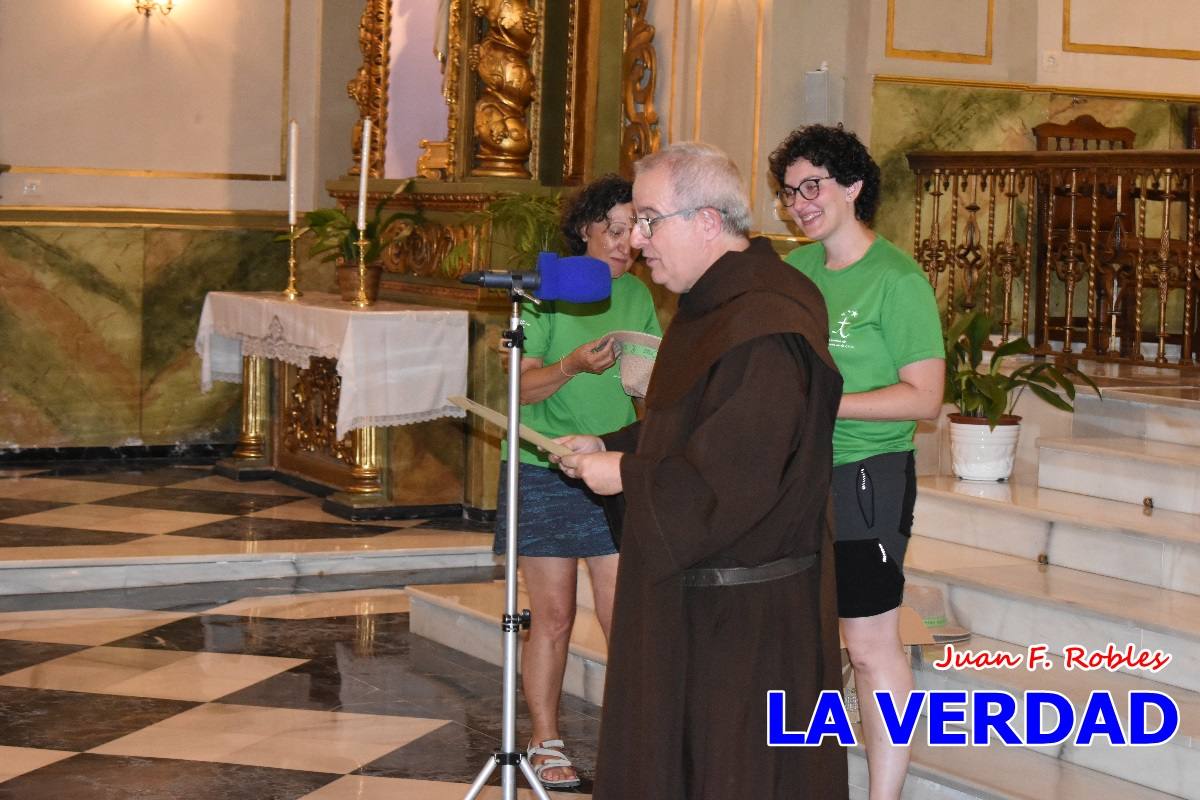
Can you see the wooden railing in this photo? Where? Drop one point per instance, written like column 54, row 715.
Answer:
column 1090, row 252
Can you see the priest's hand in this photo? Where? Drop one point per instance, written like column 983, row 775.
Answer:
column 600, row 471
column 580, row 443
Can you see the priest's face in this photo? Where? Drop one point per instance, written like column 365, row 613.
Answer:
column 666, row 234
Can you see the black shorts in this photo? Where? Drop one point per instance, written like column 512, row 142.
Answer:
column 873, row 515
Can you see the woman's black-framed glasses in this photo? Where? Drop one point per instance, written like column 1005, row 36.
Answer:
column 808, row 188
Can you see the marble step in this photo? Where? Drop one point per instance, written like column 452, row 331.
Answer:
column 999, row 773
column 1015, row 600
column 466, row 617
column 79, row 574
column 1106, row 537
column 1172, row 767
column 1157, row 413
column 1122, row 468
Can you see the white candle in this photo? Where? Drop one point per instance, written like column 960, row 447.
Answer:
column 293, row 144
column 362, row 177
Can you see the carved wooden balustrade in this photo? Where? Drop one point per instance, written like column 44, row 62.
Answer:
column 1091, row 252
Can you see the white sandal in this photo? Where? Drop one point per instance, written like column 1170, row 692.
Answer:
column 552, row 748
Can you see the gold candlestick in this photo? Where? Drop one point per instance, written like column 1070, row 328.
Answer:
column 361, row 300
column 291, row 292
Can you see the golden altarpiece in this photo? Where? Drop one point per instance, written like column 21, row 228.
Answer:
column 539, row 95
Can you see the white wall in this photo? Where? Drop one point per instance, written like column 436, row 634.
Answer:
column 1161, row 24
column 720, row 80
column 106, row 108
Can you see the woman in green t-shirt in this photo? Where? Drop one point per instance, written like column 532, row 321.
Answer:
column 886, row 339
column 570, row 383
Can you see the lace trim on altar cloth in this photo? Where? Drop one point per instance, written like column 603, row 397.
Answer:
column 389, row 420
column 275, row 346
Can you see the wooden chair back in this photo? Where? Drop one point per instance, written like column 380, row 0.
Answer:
column 1082, row 133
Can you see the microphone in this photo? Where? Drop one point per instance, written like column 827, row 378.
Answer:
column 576, row 279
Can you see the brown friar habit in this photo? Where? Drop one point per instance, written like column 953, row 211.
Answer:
column 729, row 468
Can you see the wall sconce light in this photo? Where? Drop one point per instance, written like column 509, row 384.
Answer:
column 146, row 6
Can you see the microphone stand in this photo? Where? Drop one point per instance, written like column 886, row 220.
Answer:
column 510, row 757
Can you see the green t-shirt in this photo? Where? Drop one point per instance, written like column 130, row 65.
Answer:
column 587, row 403
column 882, row 316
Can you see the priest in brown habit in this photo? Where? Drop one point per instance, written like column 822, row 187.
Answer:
column 726, row 583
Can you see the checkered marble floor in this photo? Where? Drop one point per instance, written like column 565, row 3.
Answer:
column 129, row 510
column 271, row 689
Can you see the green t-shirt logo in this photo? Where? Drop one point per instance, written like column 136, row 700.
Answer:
column 882, row 316
column 840, row 336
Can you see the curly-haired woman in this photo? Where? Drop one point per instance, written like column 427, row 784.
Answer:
column 886, row 339
column 570, row 383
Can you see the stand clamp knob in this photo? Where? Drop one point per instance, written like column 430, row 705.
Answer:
column 515, row 622
column 514, row 338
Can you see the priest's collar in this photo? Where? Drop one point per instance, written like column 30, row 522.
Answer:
column 726, row 278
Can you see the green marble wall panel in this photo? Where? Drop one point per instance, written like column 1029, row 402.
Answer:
column 181, row 267
column 97, row 328
column 907, row 117
column 70, row 336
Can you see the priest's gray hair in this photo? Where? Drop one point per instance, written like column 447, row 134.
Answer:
column 703, row 176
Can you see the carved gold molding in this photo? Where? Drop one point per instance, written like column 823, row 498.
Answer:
column 640, row 135
column 891, row 51
column 702, row 17
column 347, row 192
column 571, row 168
column 310, row 413
column 77, row 217
column 503, row 63
column 423, row 250
column 434, row 163
column 756, row 138
column 1069, row 46
column 1037, row 89
column 369, row 87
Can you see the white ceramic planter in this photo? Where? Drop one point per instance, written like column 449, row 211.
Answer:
column 980, row 453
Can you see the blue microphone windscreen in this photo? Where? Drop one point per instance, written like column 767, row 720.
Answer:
column 576, row 279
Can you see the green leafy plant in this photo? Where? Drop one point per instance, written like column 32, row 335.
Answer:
column 523, row 224
column 335, row 232
column 986, row 391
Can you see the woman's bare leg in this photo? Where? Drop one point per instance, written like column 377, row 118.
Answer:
column 879, row 665
column 550, row 583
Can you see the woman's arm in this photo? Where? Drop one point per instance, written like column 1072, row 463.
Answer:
column 539, row 381
column 917, row 395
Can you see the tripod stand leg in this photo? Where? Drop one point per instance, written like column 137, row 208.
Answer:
column 510, row 757
column 481, row 779
column 534, row 783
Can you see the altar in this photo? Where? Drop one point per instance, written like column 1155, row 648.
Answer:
column 350, row 399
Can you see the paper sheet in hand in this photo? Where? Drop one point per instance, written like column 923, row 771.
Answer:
column 526, row 433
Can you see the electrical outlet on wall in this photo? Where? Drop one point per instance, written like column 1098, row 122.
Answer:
column 1050, row 60
column 31, row 187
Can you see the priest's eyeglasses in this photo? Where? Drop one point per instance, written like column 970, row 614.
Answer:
column 645, row 225
column 808, row 188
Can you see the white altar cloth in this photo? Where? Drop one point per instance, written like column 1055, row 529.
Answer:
column 398, row 362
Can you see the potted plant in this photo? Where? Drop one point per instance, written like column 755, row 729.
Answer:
column 335, row 238
column 984, row 431
column 522, row 224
